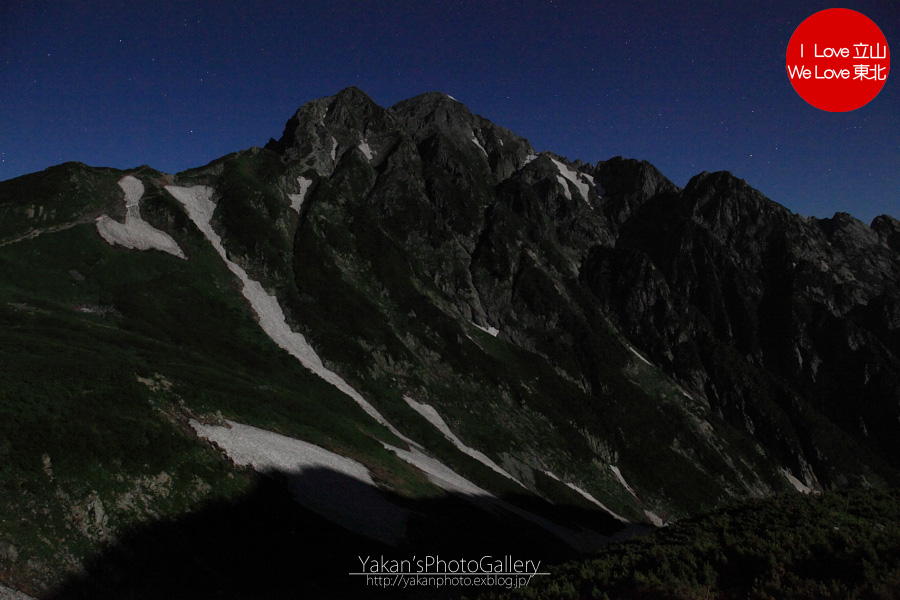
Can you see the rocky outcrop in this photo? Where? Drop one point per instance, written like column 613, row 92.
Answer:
column 800, row 312
column 786, row 326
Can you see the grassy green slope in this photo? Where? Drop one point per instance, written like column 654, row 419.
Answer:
column 110, row 351
column 106, row 353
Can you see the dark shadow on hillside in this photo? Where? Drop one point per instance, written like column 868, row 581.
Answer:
column 266, row 545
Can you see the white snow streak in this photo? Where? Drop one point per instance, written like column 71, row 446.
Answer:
column 442, row 476
column 357, row 507
column 597, row 502
column 565, row 186
column 196, row 201
column 588, row 497
column 488, row 330
column 638, row 354
column 435, row 419
column 364, row 148
column 654, row 518
column 621, row 479
column 297, row 199
column 798, row 485
column 574, row 177
column 477, row 143
column 529, row 158
column 135, row 233
column 334, row 146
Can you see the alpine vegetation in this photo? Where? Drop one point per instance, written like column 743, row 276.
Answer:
column 403, row 331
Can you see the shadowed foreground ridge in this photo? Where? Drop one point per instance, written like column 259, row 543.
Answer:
column 263, row 545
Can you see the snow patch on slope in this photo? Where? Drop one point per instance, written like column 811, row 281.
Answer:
column 588, row 497
column 477, row 143
column 576, row 178
column 565, row 187
column 597, row 502
column 488, row 330
column 200, row 208
column 438, row 473
column 135, row 233
column 432, row 416
column 365, row 149
column 638, row 354
column 654, row 518
column 297, row 199
column 798, row 485
column 334, row 146
column 317, row 485
column 621, row 479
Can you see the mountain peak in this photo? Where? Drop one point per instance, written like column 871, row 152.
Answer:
column 322, row 130
column 429, row 99
column 353, row 101
column 714, row 178
column 353, row 92
column 434, row 111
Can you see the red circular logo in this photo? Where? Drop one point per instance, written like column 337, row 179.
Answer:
column 838, row 60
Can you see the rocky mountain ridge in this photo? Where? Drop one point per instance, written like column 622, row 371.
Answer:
column 758, row 279
column 476, row 318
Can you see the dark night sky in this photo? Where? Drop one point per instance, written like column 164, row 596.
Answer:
column 689, row 86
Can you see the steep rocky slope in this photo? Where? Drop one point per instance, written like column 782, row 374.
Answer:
column 432, row 310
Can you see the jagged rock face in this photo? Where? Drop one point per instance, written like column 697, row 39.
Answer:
column 459, row 222
column 889, row 229
column 322, row 131
column 801, row 314
column 437, row 120
column 580, row 325
column 786, row 326
column 627, row 184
